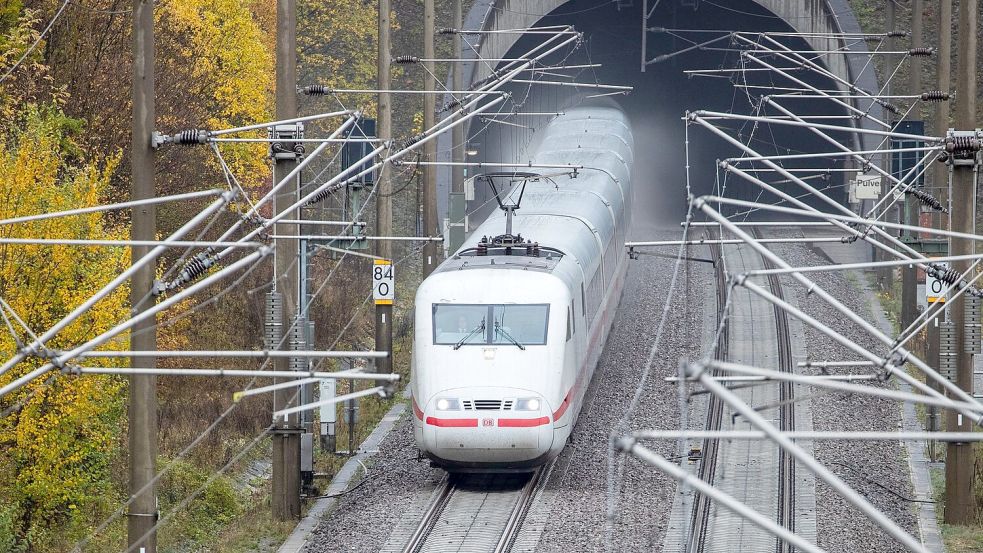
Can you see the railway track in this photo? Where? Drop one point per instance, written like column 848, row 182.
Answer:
column 785, row 508
column 786, row 398
column 715, row 411
column 476, row 513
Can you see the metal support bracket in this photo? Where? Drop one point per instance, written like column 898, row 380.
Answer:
column 282, row 146
column 934, row 247
column 963, row 147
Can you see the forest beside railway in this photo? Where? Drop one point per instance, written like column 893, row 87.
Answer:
column 64, row 141
column 871, row 14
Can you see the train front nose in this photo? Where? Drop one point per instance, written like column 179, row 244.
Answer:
column 487, row 427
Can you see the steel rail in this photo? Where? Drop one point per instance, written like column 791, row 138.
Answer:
column 450, row 487
column 698, row 371
column 443, row 495
column 905, row 355
column 786, row 398
column 518, row 514
column 722, row 498
column 700, row 515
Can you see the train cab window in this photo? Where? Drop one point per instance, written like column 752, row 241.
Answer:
column 465, row 324
column 469, row 324
column 523, row 324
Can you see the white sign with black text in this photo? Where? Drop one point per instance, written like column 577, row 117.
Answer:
column 383, row 283
column 934, row 287
column 867, row 187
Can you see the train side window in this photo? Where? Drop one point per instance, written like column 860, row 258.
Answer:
column 573, row 315
column 583, row 300
column 569, row 324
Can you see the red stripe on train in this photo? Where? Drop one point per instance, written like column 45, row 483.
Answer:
column 592, row 342
column 523, row 423
column 452, row 423
column 563, row 406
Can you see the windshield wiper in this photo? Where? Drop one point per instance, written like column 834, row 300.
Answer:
column 479, row 328
column 500, row 330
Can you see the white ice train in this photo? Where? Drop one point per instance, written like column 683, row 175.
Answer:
column 509, row 331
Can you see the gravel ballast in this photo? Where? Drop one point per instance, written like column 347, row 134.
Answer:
column 877, row 470
column 576, row 495
column 398, row 485
column 579, row 484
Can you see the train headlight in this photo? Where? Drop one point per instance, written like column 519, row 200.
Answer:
column 527, row 404
column 448, row 404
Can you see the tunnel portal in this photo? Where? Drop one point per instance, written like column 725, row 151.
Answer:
column 663, row 92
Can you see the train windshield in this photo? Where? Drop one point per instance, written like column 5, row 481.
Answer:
column 484, row 324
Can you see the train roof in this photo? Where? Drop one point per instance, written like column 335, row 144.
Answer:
column 573, row 213
column 546, row 262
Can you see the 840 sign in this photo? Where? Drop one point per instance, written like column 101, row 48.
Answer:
column 383, row 283
column 934, row 287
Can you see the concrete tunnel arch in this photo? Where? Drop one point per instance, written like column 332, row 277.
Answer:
column 595, row 19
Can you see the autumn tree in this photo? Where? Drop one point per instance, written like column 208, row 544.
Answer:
column 58, row 442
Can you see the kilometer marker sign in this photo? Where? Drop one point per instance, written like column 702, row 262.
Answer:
column 383, row 283
column 934, row 287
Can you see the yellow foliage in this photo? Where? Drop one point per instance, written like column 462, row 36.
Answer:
column 337, row 41
column 55, row 451
column 225, row 50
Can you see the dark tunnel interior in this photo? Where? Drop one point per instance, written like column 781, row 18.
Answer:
column 661, row 97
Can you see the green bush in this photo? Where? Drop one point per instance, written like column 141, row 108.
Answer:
column 216, row 505
column 8, row 532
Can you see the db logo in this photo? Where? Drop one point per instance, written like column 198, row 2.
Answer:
column 487, row 422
